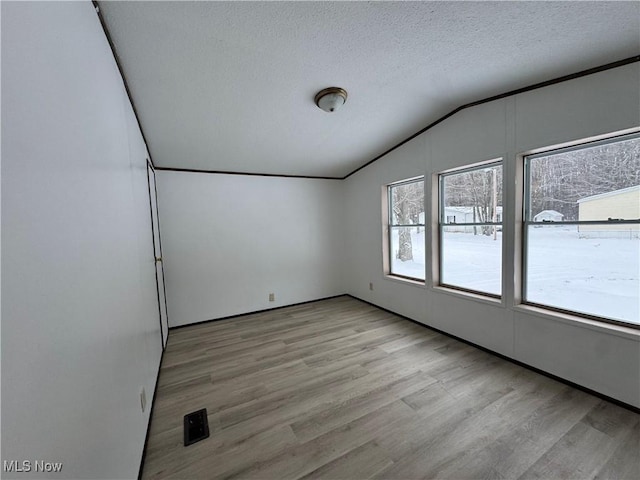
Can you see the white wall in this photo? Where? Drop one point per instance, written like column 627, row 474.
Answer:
column 605, row 359
column 230, row 240
column 80, row 328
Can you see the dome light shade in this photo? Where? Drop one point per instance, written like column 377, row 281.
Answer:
column 330, row 99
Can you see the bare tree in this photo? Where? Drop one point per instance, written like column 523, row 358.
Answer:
column 480, row 190
column 558, row 181
column 406, row 205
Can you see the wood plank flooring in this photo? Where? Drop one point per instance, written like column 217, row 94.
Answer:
column 338, row 389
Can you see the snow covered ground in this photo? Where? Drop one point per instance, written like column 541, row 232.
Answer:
column 472, row 261
column 598, row 276
column 411, row 268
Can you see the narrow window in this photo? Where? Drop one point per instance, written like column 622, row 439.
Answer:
column 406, row 229
column 581, row 220
column 470, row 223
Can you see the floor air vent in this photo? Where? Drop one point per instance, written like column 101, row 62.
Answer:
column 196, row 427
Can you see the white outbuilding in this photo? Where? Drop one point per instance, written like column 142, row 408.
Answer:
column 548, row 216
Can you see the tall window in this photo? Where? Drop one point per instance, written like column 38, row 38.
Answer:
column 406, row 229
column 470, row 223
column 582, row 220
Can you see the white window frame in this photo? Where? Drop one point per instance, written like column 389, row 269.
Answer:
column 387, row 219
column 527, row 220
column 442, row 223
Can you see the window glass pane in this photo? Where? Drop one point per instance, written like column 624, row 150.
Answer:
column 407, row 251
column 472, row 259
column 591, row 183
column 473, row 196
column 407, row 203
column 597, row 276
column 471, row 255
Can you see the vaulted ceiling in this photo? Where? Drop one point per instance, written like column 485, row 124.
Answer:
column 229, row 86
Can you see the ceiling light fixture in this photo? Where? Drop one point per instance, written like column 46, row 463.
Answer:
column 330, row 99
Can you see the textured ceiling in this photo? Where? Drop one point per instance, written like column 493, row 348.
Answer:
column 229, row 86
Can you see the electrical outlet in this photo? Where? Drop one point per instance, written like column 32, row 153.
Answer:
column 272, row 297
column 370, row 285
column 143, row 399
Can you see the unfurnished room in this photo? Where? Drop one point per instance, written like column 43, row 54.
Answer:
column 320, row 239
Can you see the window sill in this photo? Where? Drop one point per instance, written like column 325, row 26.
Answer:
column 404, row 280
column 575, row 320
column 496, row 302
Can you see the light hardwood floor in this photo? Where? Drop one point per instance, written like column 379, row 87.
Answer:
column 338, row 389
